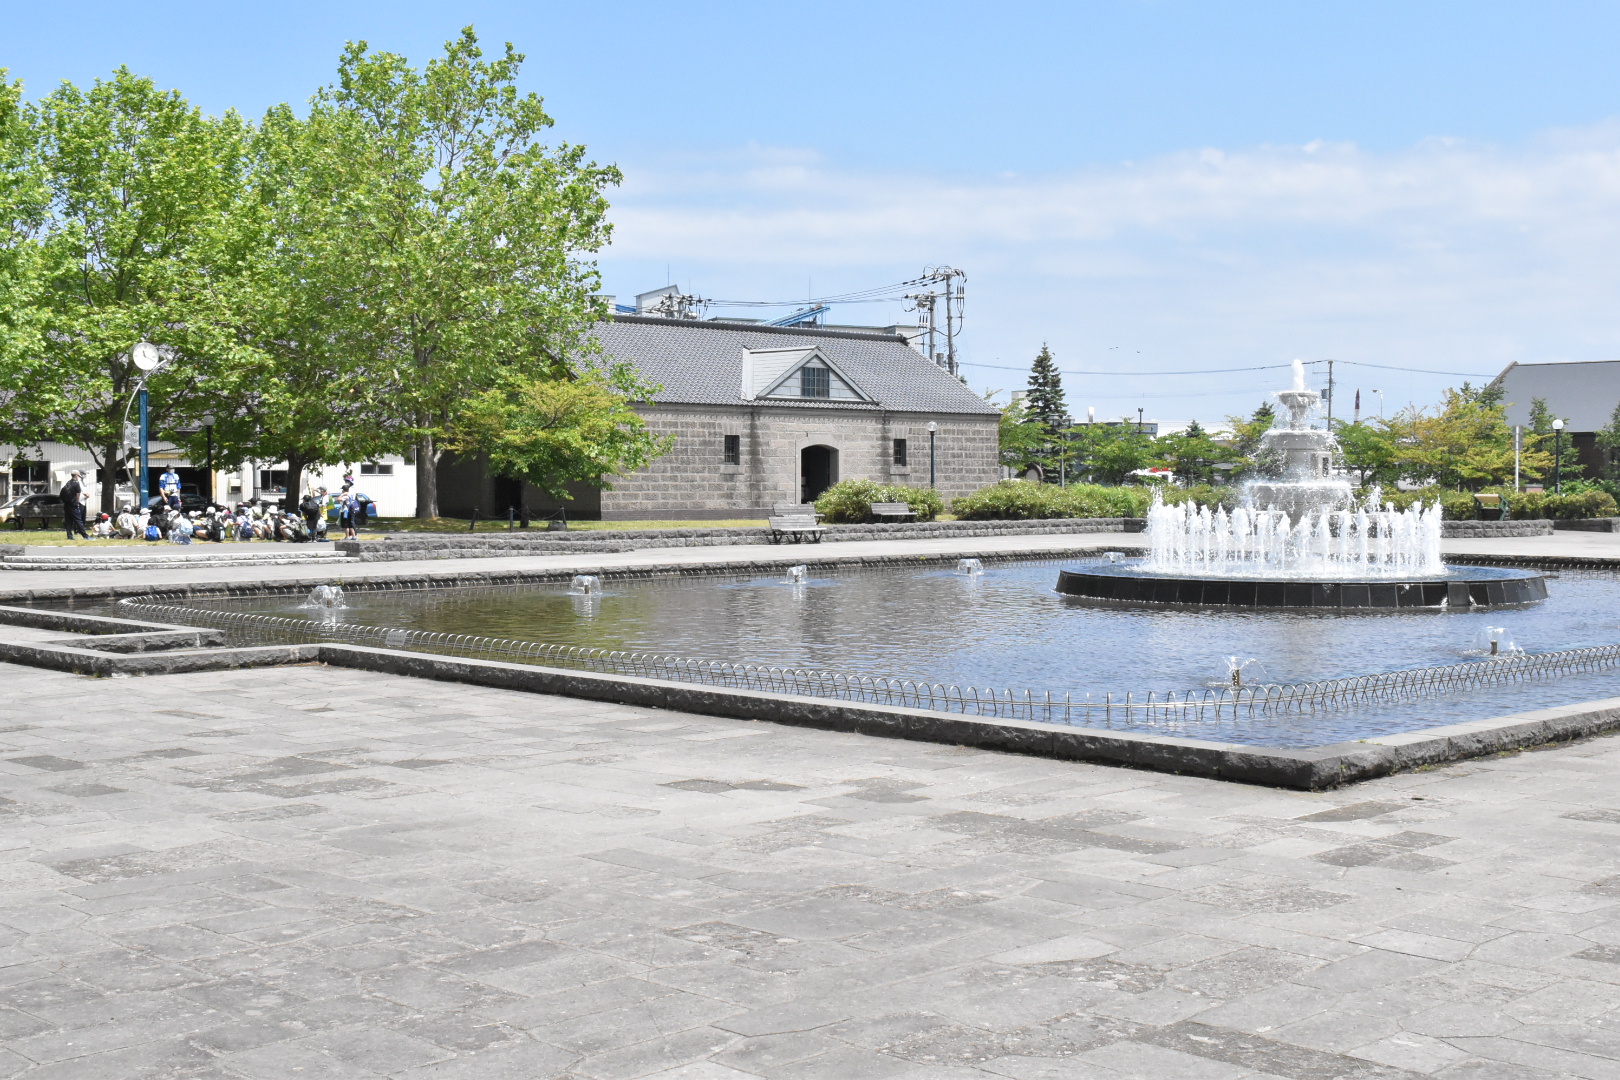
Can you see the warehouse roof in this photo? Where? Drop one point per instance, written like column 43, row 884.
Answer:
column 702, row 362
column 1585, row 394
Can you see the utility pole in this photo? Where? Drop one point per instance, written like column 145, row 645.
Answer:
column 1330, row 396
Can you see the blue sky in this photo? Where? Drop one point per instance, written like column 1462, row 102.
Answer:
column 1150, row 187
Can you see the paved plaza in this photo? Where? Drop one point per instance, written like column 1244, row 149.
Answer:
column 310, row 872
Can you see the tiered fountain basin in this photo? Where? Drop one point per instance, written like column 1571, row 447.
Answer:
column 1458, row 588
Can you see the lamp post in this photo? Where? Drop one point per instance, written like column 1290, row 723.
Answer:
column 933, row 429
column 1139, row 419
column 1558, row 457
column 147, row 359
column 208, row 426
column 1380, row 394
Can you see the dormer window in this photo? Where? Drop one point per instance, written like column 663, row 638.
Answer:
column 815, row 381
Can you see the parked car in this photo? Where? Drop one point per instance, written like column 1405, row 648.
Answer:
column 24, row 509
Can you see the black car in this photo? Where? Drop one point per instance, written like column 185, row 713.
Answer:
column 189, row 502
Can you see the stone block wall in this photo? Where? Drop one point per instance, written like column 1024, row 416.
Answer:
column 693, row 481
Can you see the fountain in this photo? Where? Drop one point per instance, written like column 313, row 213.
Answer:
column 586, row 585
column 796, row 574
column 969, row 567
column 1299, row 539
column 325, row 597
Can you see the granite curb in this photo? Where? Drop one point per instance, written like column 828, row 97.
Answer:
column 1308, row 769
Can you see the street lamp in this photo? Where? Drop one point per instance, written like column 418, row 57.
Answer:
column 933, row 428
column 147, row 359
column 1139, row 419
column 208, row 426
column 1558, row 457
column 1380, row 394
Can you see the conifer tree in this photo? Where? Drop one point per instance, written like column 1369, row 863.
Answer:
column 1044, row 401
column 1045, row 410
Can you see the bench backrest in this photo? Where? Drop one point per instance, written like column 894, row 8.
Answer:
column 790, row 509
column 794, row 521
column 1488, row 500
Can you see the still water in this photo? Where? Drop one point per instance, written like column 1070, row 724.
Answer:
column 1007, row 628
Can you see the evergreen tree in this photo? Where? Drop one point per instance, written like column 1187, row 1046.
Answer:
column 1044, row 401
column 1045, row 409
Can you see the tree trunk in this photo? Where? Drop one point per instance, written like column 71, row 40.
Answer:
column 111, row 457
column 296, row 464
column 427, row 478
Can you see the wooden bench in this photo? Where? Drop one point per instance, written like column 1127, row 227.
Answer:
column 1489, row 508
column 792, row 521
column 895, row 511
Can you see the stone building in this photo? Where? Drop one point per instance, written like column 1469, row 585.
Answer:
column 1584, row 394
column 764, row 415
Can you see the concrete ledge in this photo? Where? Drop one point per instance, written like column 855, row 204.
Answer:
column 1607, row 524
column 1483, row 530
column 539, row 542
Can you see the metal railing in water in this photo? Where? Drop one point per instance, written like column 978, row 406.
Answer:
column 1169, row 710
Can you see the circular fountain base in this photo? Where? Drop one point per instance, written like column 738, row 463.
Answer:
column 1461, row 588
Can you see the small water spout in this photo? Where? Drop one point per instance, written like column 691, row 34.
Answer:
column 1243, row 669
column 969, row 567
column 796, row 574
column 1112, row 556
column 586, row 585
column 1499, row 642
column 326, row 597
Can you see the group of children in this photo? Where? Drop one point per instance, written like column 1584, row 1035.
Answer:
column 254, row 519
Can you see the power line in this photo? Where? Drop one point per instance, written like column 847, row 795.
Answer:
column 1226, row 371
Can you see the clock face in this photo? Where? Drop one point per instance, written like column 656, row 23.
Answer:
column 145, row 356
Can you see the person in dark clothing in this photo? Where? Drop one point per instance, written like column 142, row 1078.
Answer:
column 73, row 505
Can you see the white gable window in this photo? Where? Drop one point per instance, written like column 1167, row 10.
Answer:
column 796, row 373
column 815, row 381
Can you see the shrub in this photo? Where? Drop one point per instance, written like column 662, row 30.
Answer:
column 1580, row 504
column 850, row 501
column 1022, row 500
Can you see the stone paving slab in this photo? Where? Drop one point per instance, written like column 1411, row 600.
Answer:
column 305, row 872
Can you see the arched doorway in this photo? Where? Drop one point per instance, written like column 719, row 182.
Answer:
column 818, row 471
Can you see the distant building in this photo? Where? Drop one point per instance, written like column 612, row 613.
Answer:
column 764, row 415
column 1584, row 394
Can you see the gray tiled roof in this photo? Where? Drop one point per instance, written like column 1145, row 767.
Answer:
column 1584, row 393
column 700, row 362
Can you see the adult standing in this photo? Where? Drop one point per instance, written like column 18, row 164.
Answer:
column 73, row 505
column 169, row 485
column 348, row 512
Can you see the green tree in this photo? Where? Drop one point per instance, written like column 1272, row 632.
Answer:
column 1022, row 442
column 465, row 235
column 1466, row 445
column 1245, row 448
column 1191, row 453
column 1608, row 438
column 22, row 203
column 1546, row 439
column 1044, row 407
column 1109, row 453
column 133, row 181
column 1370, row 451
column 555, row 432
column 312, row 386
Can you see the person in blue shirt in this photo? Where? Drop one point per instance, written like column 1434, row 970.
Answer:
column 169, row 487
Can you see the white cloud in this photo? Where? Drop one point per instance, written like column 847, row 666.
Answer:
column 1449, row 255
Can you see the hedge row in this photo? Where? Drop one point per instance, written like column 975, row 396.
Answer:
column 1023, row 500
